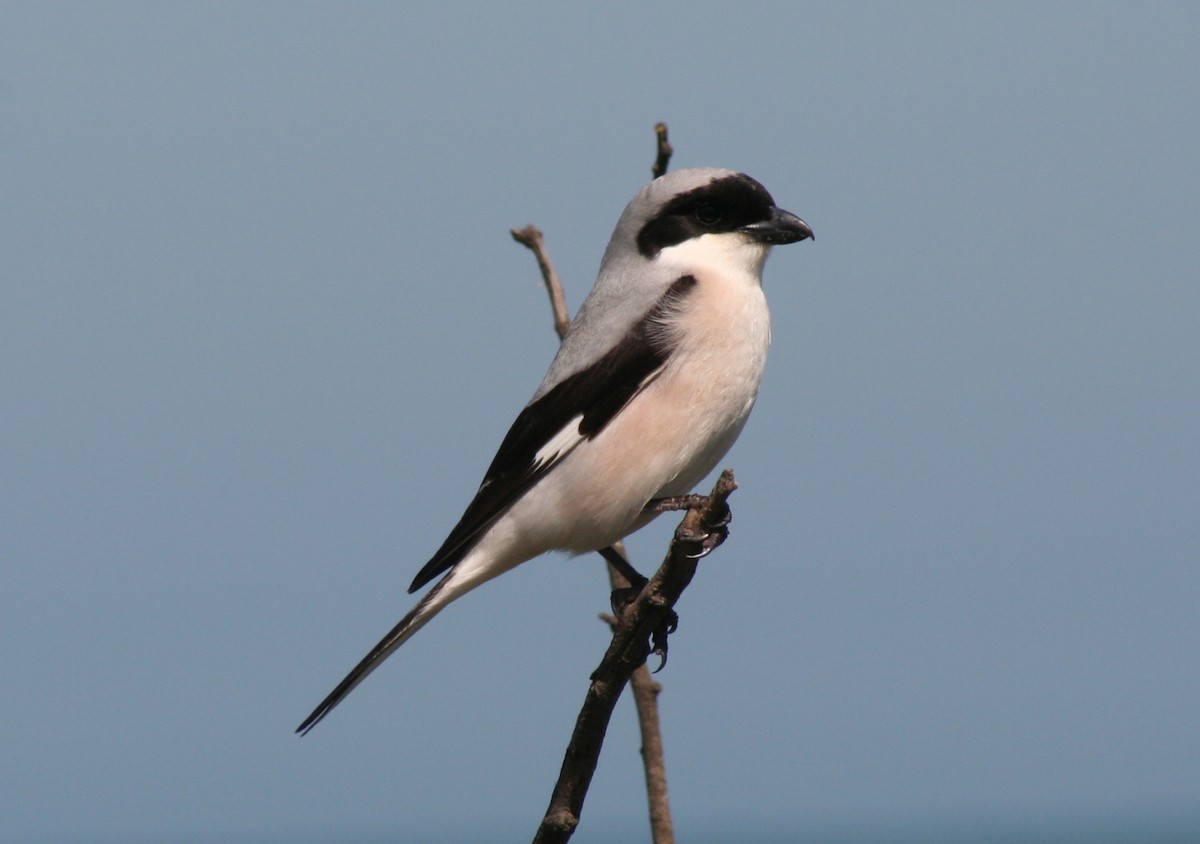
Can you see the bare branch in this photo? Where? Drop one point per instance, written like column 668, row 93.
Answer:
column 645, row 699
column 645, row 689
column 531, row 237
column 702, row 530
column 645, row 696
column 664, row 151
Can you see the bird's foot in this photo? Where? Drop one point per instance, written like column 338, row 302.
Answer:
column 674, row 502
column 717, row 527
column 705, row 541
column 624, row 596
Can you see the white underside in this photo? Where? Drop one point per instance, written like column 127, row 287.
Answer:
column 666, row 440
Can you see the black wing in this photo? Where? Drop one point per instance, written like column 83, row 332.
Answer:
column 576, row 409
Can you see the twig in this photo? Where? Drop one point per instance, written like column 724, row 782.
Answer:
column 645, row 688
column 531, row 237
column 645, row 696
column 700, row 531
column 654, row 761
column 664, row 151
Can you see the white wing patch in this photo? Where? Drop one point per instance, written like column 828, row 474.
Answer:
column 559, row 445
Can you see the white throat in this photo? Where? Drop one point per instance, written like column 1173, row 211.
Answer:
column 729, row 253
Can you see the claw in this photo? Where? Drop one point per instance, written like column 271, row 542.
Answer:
column 658, row 639
column 709, row 541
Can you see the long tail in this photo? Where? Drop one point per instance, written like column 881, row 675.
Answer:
column 430, row 605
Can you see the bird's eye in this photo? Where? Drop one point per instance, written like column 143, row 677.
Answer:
column 707, row 214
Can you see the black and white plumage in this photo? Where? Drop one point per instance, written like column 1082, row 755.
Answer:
column 649, row 389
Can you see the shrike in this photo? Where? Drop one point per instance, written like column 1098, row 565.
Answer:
column 649, row 389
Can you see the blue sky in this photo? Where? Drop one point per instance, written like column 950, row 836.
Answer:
column 263, row 327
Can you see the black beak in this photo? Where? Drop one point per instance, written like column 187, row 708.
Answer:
column 781, row 227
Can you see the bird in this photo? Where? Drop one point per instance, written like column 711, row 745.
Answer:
column 650, row 387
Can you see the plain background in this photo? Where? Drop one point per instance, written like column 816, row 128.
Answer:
column 262, row 327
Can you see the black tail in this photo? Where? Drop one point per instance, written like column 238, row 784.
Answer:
column 398, row 635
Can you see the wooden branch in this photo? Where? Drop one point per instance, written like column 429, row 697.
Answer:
column 645, row 689
column 663, row 158
column 702, row 530
column 654, row 761
column 531, row 237
column 645, row 696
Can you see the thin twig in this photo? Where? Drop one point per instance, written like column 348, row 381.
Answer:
column 645, row 688
column 531, row 237
column 645, row 695
column 699, row 533
column 663, row 158
column 654, row 761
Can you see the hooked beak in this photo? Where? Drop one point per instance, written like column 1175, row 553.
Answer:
column 782, row 227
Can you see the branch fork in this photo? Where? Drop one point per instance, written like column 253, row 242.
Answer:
column 702, row 529
column 645, row 619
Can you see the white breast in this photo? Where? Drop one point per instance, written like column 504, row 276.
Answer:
column 672, row 433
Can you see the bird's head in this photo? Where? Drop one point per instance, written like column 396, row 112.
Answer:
column 705, row 214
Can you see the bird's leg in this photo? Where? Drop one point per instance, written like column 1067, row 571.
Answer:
column 622, row 597
column 617, row 560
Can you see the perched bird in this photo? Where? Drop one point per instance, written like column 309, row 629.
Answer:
column 650, row 387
